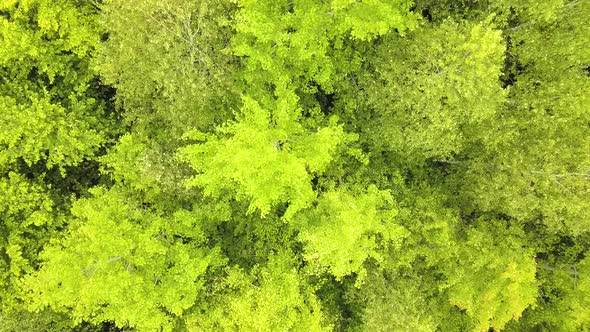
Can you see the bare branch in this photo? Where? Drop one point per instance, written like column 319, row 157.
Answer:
column 572, row 271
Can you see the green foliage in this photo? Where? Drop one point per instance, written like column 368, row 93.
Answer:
column 440, row 10
column 122, row 262
column 270, row 298
column 274, row 38
column 172, row 74
column 168, row 64
column 494, row 280
column 561, row 268
column 566, row 294
column 307, row 165
column 396, row 303
column 45, row 321
column 27, row 220
column 347, row 228
column 263, row 162
column 54, row 118
column 537, row 167
column 49, row 104
column 436, row 90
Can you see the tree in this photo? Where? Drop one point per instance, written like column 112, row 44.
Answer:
column 125, row 263
column 55, row 120
column 538, row 167
column 432, row 94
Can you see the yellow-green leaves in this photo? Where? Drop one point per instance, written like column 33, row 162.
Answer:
column 169, row 64
column 494, row 279
column 40, row 130
column 263, row 161
column 52, row 120
column 270, row 298
column 437, row 89
column 292, row 43
column 49, row 109
column 396, row 302
column 537, row 163
column 579, row 290
column 347, row 227
column 294, row 165
column 27, row 221
column 369, row 19
column 122, row 262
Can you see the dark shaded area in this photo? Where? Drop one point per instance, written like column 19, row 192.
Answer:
column 5, row 14
column 439, row 10
column 106, row 94
column 335, row 300
column 35, row 76
column 314, row 183
column 104, row 327
column 512, row 66
column 105, row 36
column 77, row 180
column 281, row 209
column 325, row 100
column 426, row 14
column 110, row 327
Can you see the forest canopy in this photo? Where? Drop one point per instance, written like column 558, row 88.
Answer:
column 294, row 165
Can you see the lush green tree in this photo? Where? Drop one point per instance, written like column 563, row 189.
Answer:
column 52, row 107
column 270, row 297
column 263, row 162
column 363, row 165
column 563, row 292
column 54, row 120
column 123, row 262
column 538, row 166
column 169, row 63
column 434, row 92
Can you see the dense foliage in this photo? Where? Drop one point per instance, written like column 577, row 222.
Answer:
column 307, row 165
